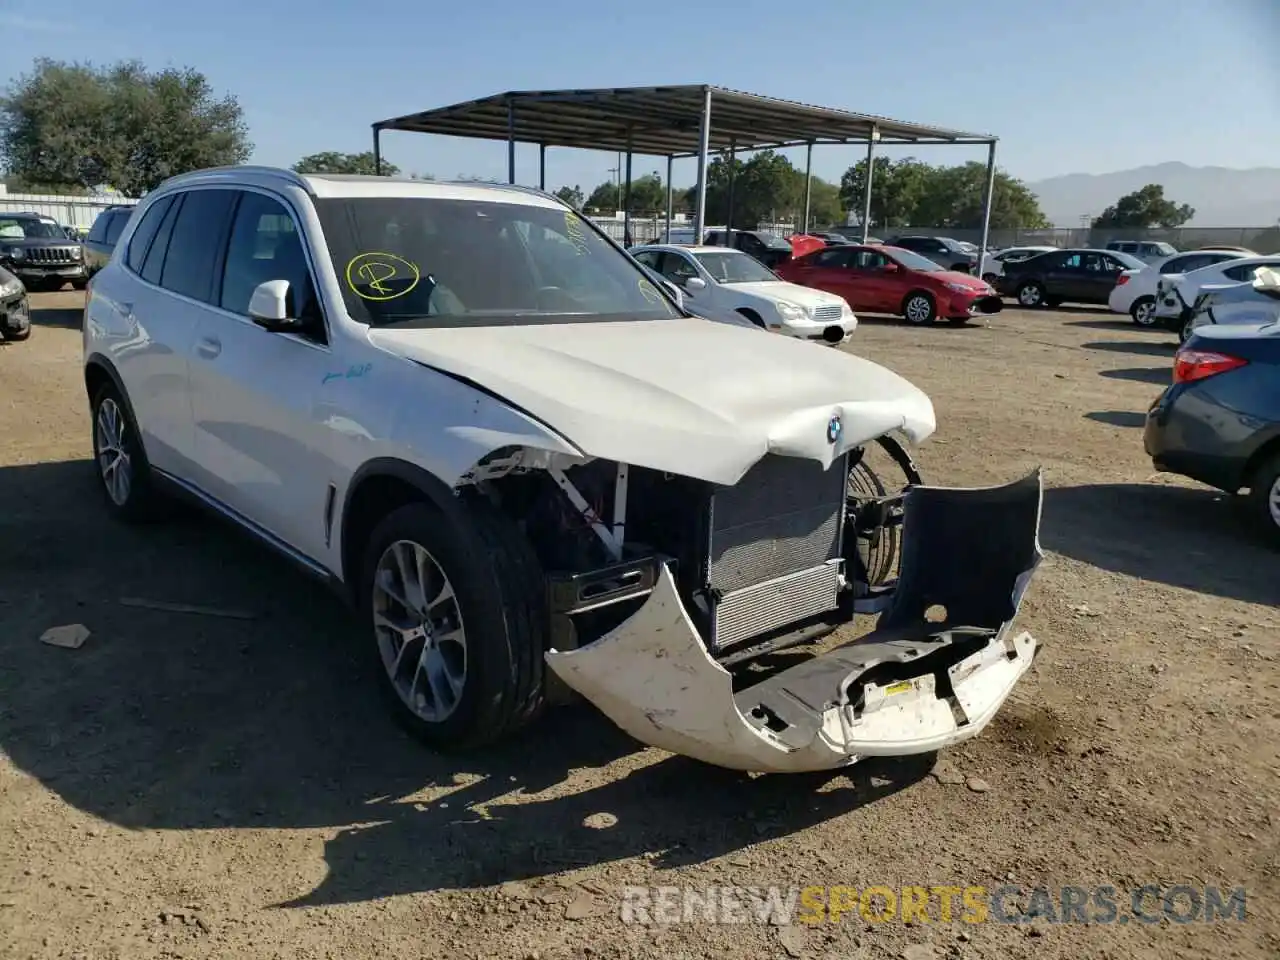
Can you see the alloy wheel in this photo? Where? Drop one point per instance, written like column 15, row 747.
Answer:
column 1273, row 502
column 114, row 463
column 1144, row 313
column 419, row 630
column 1029, row 296
column 918, row 310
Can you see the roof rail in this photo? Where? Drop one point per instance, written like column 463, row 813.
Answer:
column 518, row 187
column 284, row 173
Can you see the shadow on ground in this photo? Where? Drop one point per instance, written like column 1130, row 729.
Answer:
column 64, row 317
column 176, row 721
column 1182, row 536
column 1118, row 323
column 1159, row 376
column 1144, row 348
column 1118, row 418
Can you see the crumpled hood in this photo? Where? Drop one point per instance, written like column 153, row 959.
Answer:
column 688, row 396
column 806, row 297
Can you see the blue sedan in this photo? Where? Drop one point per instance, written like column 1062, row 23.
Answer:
column 1219, row 422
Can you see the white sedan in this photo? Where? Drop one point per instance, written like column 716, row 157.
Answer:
column 718, row 282
column 1177, row 292
column 1135, row 290
column 994, row 260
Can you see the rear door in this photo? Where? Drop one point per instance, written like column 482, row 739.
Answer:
column 1064, row 277
column 1100, row 274
column 831, row 270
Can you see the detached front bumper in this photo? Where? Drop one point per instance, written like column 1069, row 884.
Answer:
column 911, row 686
column 15, row 315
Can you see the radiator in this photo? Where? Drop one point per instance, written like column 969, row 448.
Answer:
column 773, row 537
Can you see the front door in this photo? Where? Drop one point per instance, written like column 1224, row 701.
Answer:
column 260, row 443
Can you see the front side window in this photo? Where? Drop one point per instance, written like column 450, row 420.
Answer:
column 726, row 267
column 437, row 261
column 677, row 268
column 264, row 246
column 649, row 258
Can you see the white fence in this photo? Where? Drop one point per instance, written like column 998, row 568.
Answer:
column 68, row 210
column 653, row 229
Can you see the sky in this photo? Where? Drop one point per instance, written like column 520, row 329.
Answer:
column 1068, row 87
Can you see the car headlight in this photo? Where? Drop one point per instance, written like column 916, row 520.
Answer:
column 11, row 288
column 792, row 311
column 16, row 252
column 959, row 287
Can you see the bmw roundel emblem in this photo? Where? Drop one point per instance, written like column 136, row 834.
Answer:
column 834, row 429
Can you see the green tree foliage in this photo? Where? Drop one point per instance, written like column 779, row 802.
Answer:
column 909, row 192
column 1144, row 209
column 648, row 197
column 122, row 125
column 572, row 196
column 330, row 161
column 766, row 188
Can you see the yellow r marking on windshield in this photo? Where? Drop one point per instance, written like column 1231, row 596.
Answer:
column 573, row 227
column 374, row 270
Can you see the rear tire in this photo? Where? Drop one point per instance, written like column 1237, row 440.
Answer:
column 1143, row 311
column 494, row 614
column 1031, row 295
column 919, row 308
column 1264, row 499
column 124, row 473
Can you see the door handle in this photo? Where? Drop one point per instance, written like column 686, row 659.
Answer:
column 209, row 347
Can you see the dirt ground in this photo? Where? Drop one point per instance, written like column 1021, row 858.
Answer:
column 192, row 786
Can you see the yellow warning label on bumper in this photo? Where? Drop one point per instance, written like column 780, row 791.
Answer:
column 902, row 687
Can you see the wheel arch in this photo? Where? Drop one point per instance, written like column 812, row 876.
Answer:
column 378, row 487
column 752, row 315
column 99, row 371
column 1269, row 448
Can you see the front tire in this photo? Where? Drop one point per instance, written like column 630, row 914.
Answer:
column 1030, row 295
column 919, row 309
column 1143, row 311
column 124, row 474
column 457, row 623
column 1264, row 499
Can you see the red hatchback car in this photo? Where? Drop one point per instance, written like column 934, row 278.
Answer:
column 893, row 280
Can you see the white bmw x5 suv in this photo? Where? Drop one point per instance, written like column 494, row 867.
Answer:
column 481, row 421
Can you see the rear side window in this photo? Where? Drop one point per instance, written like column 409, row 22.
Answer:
column 153, row 266
column 196, row 243
column 1241, row 274
column 116, row 225
column 98, row 232
column 140, row 242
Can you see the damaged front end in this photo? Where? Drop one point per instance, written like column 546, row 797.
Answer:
column 940, row 662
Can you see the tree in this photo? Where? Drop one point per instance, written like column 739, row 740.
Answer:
column 765, row 188
column 648, row 197
column 330, row 161
column 825, row 207
column 571, row 195
column 123, row 126
column 1144, row 209
column 896, row 189
column 909, row 192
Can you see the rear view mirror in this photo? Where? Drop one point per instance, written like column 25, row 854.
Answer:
column 269, row 306
column 695, row 283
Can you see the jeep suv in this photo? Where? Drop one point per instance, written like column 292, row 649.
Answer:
column 475, row 416
column 38, row 252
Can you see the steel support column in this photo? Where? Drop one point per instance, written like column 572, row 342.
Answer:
column 377, row 149
column 511, row 141
column 626, row 199
column 670, row 200
column 986, row 206
column 542, row 166
column 704, row 143
column 808, row 186
column 866, row 186
column 728, row 224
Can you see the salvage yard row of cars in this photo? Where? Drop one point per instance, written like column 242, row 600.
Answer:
column 608, row 496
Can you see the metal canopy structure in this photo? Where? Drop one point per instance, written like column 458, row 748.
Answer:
column 675, row 122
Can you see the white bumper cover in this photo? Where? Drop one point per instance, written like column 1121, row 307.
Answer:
column 907, row 688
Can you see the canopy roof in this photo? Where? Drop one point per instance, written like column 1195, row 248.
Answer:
column 664, row 121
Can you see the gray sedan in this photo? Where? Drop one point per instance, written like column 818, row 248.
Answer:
column 1219, row 422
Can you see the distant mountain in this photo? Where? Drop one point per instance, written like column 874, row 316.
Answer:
column 1222, row 197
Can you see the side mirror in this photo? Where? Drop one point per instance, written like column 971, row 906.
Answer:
column 892, row 268
column 695, row 283
column 268, row 307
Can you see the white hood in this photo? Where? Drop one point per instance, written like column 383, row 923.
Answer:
column 775, row 290
column 688, row 396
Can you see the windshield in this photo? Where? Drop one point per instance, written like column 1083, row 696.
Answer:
column 733, row 267
column 434, row 262
column 773, row 241
column 24, row 228
column 913, row 261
